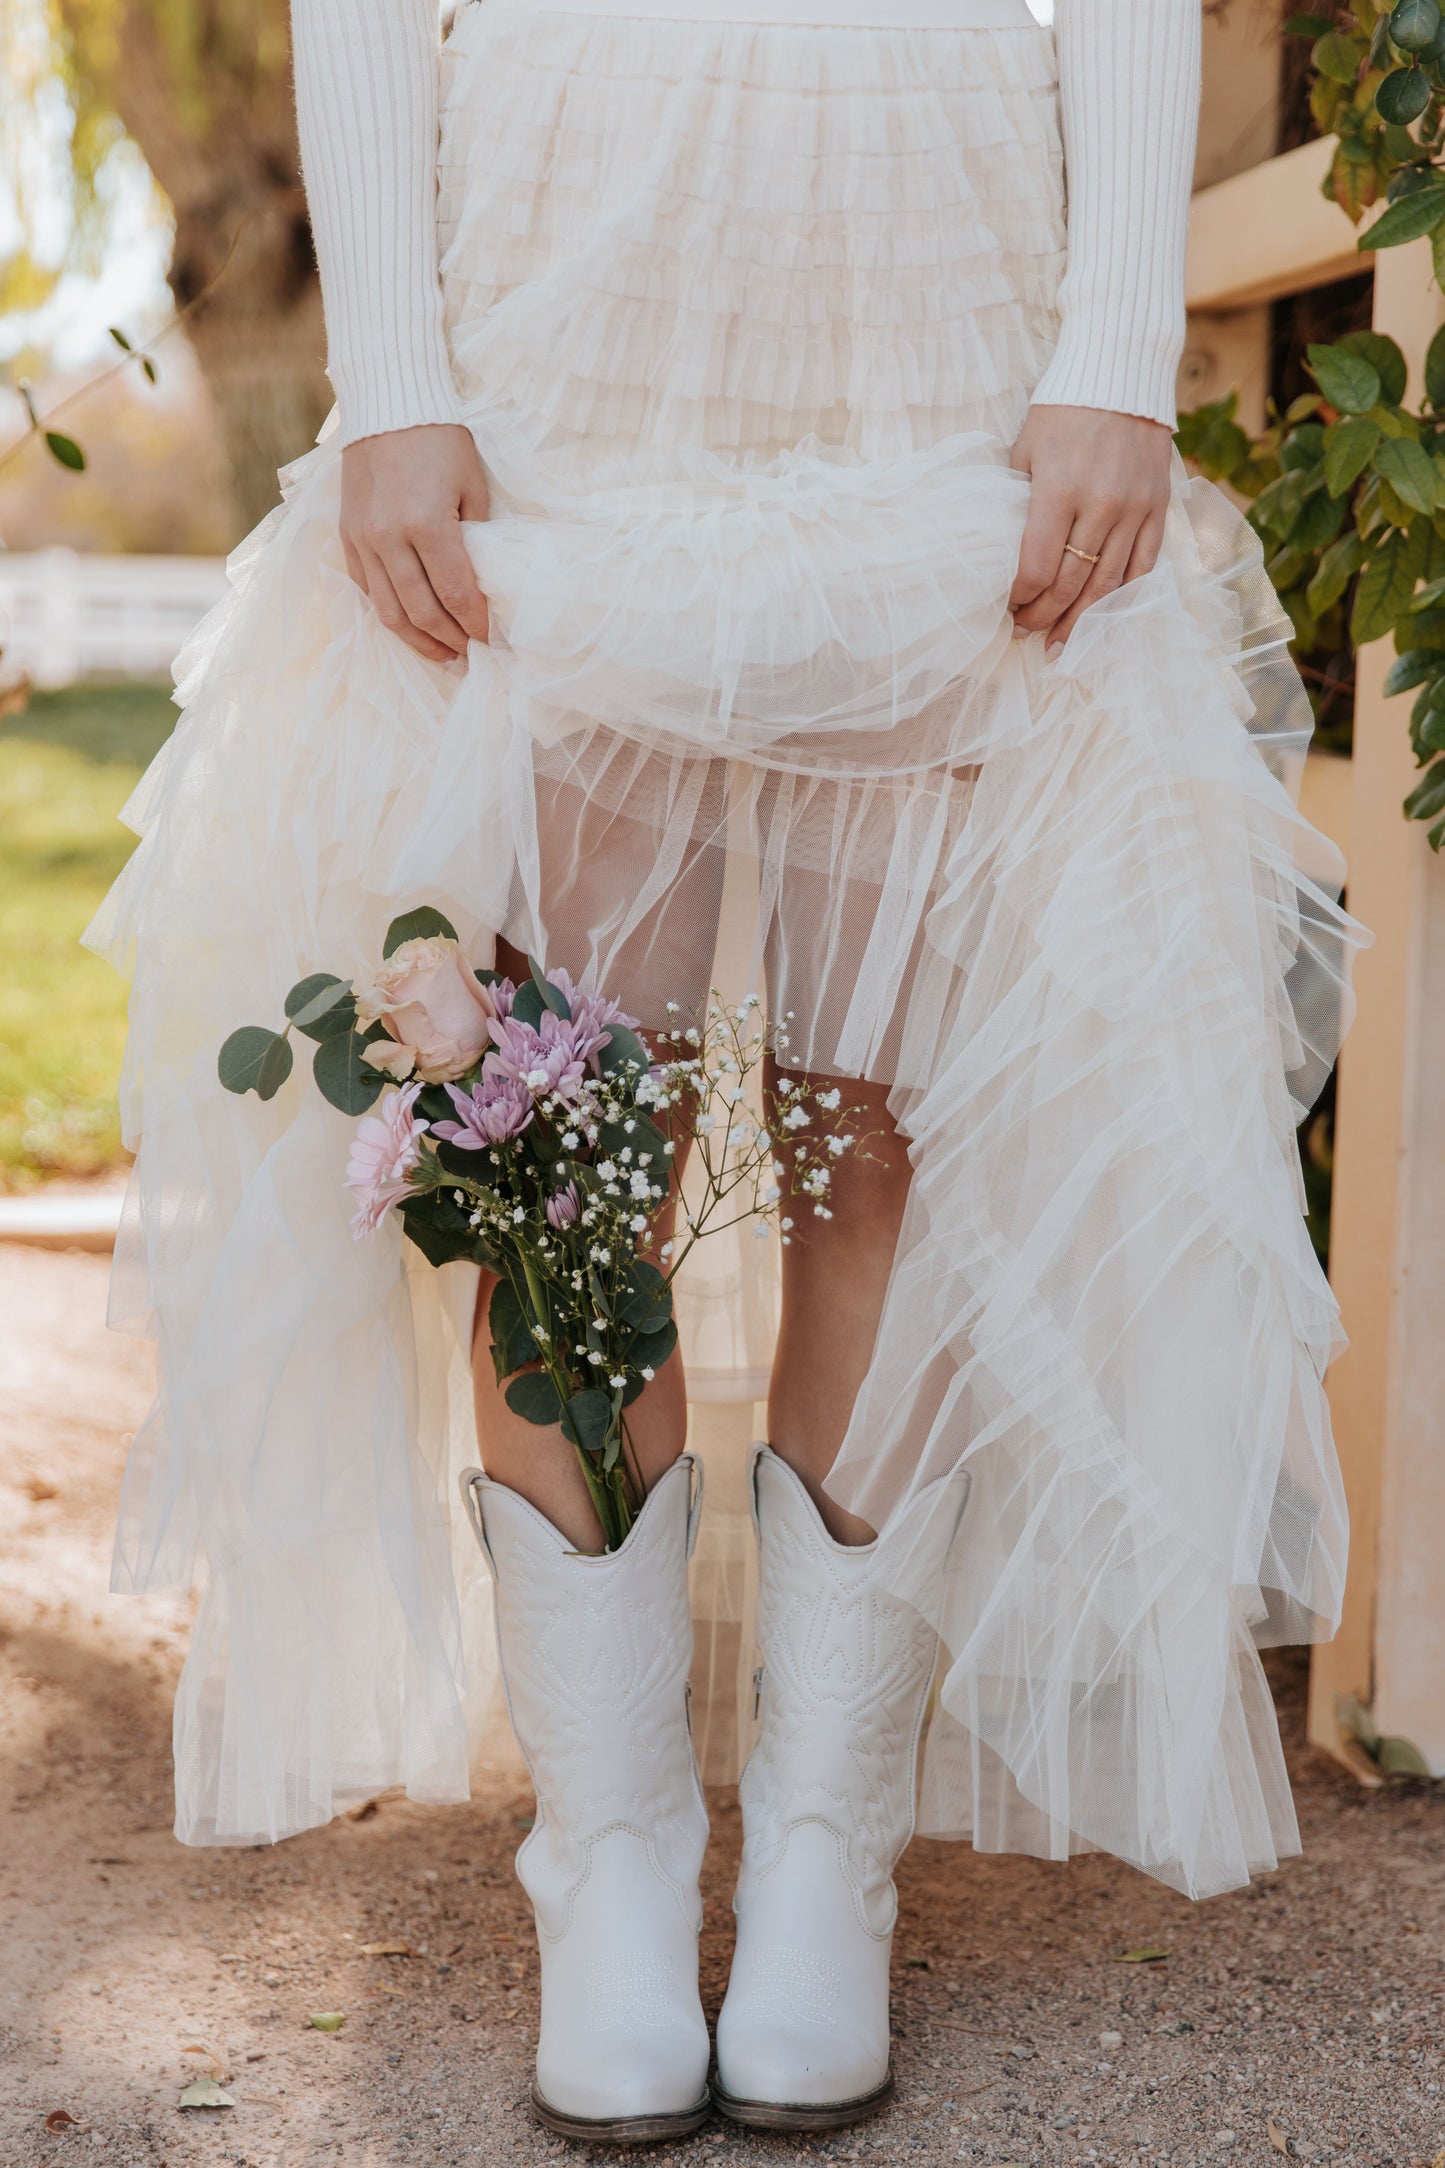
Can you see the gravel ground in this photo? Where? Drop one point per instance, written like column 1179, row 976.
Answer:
column 1304, row 2015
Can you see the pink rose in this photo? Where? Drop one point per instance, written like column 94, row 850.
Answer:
column 428, row 997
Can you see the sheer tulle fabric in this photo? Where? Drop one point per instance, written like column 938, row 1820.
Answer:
column 745, row 320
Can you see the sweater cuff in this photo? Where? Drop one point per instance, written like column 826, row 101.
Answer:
column 1092, row 367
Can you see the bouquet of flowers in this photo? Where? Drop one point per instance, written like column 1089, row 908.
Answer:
column 529, row 1130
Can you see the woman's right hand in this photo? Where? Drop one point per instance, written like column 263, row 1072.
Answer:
column 404, row 495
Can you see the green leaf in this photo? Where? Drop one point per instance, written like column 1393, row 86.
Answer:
column 1347, row 380
column 1435, row 368
column 1318, row 523
column 343, row 1078
column 328, row 2021
column 255, row 1060
column 1353, row 1717
column 1409, row 470
column 642, row 1136
column 1349, row 447
column 1338, row 56
column 587, row 1419
column 533, row 1396
column 66, row 450
column 1430, row 734
column 148, row 368
column 438, row 1229
column 204, row 2093
column 322, row 1006
column 552, row 995
column 421, row 925
column 657, row 1348
column 1382, row 591
column 647, row 1305
column 1428, row 797
column 119, row 337
column 1416, row 666
column 623, row 1048
column 527, row 1004
column 1385, row 358
column 1148, row 1953
column 1402, row 1758
column 1338, row 566
column 1406, row 220
column 1402, row 96
column 1414, row 24
column 512, row 1342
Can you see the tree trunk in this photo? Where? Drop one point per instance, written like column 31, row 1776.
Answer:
column 205, row 90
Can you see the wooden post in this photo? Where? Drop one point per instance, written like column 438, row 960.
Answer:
column 1387, row 1393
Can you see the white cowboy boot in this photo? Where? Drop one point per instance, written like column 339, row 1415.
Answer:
column 828, row 1803
column 595, row 1655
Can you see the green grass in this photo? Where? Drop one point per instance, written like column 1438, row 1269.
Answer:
column 67, row 765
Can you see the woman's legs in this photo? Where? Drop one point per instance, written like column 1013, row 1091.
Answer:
column 835, row 1275
column 538, row 1463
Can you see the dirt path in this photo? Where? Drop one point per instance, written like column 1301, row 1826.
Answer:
column 1314, row 2000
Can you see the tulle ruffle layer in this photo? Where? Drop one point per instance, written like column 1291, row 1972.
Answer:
column 752, row 682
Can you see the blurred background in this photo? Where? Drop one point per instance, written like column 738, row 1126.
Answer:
column 161, row 356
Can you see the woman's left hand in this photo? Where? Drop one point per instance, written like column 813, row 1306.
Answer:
column 1100, row 492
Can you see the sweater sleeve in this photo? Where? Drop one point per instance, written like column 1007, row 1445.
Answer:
column 1129, row 109
column 367, row 97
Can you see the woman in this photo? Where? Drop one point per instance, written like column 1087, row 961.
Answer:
column 752, row 459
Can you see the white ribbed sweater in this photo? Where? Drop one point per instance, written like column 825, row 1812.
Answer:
column 367, row 98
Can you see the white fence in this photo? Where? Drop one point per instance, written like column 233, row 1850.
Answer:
column 65, row 614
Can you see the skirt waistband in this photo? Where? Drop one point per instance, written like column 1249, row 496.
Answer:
column 815, row 14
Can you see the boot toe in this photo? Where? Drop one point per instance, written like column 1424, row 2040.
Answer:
column 799, row 2066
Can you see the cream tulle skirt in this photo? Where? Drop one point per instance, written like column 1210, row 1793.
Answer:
column 745, row 319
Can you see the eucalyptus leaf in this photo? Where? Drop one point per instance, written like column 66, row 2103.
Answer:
column 528, row 1007
column 342, row 1077
column 440, row 1240
column 587, row 1419
column 322, row 1006
column 423, row 924
column 1435, row 369
column 513, row 1344
column 533, row 1396
column 255, row 1060
column 623, row 1050
column 553, row 996
column 647, row 1305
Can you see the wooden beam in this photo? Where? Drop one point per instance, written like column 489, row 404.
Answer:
column 1269, row 231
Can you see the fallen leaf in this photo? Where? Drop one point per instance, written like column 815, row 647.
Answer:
column 386, row 1949
column 327, row 2020
column 1275, row 2135
column 61, row 2119
column 204, row 2093
column 381, row 1988
column 1148, row 1953
column 1401, row 1758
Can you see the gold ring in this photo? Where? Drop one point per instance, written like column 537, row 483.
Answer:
column 1088, row 560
